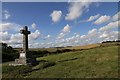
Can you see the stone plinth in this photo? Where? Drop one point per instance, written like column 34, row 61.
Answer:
column 25, row 58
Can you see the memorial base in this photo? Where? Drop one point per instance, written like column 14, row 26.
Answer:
column 26, row 59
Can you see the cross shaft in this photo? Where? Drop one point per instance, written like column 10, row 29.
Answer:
column 25, row 33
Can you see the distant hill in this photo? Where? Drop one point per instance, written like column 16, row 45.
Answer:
column 10, row 54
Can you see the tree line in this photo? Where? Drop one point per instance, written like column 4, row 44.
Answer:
column 111, row 41
column 8, row 53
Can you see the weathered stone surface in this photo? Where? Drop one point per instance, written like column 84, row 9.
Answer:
column 25, row 56
column 25, row 33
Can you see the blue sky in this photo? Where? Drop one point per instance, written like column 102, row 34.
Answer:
column 67, row 21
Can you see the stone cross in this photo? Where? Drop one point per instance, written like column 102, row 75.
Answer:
column 25, row 57
column 25, row 33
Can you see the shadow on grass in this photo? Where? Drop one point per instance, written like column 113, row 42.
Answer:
column 43, row 64
column 67, row 60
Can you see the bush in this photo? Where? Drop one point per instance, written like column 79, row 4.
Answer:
column 39, row 53
column 66, row 50
column 8, row 53
column 59, row 51
column 9, row 56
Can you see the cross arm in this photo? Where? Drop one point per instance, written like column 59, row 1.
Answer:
column 22, row 31
column 28, row 32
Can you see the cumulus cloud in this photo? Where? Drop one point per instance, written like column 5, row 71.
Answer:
column 9, row 26
column 48, row 36
column 10, row 34
column 111, row 25
column 35, row 35
column 11, row 39
column 115, row 17
column 93, row 36
column 91, row 18
column 6, row 14
column 104, row 35
column 4, row 36
column 92, row 31
column 64, row 31
column 16, row 38
column 33, row 25
column 90, row 38
column 5, row 32
column 108, row 35
column 61, row 35
column 102, row 19
column 56, row 15
column 76, row 9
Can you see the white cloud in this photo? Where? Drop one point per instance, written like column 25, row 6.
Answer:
column 66, row 29
column 35, row 35
column 4, row 36
column 48, row 36
column 76, row 9
column 108, row 36
column 34, row 45
column 115, row 17
column 9, row 26
column 91, row 18
column 92, row 31
column 61, row 35
column 6, row 30
column 104, row 35
column 56, row 15
column 64, row 32
column 6, row 14
column 102, row 19
column 10, row 34
column 33, row 25
column 93, row 36
column 111, row 25
column 42, row 44
column 83, row 36
column 11, row 39
column 16, row 38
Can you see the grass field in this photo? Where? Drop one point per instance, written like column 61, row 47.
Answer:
column 99, row 62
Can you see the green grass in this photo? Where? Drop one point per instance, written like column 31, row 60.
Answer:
column 92, row 63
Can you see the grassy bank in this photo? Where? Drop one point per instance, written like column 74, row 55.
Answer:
column 101, row 62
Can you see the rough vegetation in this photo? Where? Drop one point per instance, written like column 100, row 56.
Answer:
column 100, row 61
column 15, row 71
